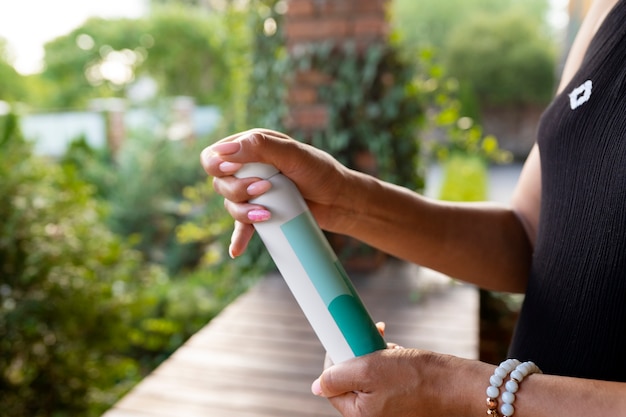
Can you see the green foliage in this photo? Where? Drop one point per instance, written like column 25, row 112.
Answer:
column 12, row 87
column 143, row 187
column 465, row 178
column 374, row 106
column 428, row 23
column 373, row 103
column 504, row 57
column 187, row 51
column 74, row 62
column 448, row 132
column 70, row 292
column 194, row 50
column 208, row 225
column 82, row 315
column 266, row 105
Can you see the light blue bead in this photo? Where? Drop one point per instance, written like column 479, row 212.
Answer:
column 495, row 380
column 501, row 372
column 517, row 375
column 508, row 397
column 512, row 386
column 507, row 410
column 493, row 392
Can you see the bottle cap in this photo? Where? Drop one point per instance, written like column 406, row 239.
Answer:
column 256, row 169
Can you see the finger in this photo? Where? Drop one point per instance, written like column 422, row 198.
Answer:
column 247, row 213
column 239, row 190
column 394, row 346
column 342, row 378
column 240, row 238
column 381, row 327
column 256, row 145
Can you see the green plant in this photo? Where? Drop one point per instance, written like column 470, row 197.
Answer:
column 143, row 186
column 208, row 225
column 448, row 130
column 505, row 58
column 70, row 294
column 428, row 23
column 465, row 179
column 374, row 106
column 266, row 104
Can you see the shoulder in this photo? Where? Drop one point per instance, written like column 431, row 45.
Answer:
column 592, row 22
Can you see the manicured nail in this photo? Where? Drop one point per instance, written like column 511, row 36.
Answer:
column 316, row 387
column 258, row 187
column 225, row 148
column 229, row 167
column 259, row 215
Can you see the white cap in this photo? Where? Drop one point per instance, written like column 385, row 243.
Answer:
column 256, row 169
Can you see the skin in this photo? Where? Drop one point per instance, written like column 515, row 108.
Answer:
column 453, row 238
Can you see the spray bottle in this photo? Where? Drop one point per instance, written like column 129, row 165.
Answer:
column 312, row 270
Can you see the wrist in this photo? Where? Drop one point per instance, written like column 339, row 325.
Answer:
column 466, row 394
column 353, row 207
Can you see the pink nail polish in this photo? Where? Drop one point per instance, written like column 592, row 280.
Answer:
column 259, row 215
column 229, row 167
column 258, row 188
column 316, row 387
column 225, row 148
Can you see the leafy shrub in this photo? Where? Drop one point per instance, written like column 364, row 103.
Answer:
column 505, row 58
column 464, row 178
column 70, row 294
column 143, row 186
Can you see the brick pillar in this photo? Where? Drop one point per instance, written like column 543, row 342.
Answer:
column 361, row 22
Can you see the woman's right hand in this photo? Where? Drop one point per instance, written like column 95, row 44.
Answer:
column 321, row 179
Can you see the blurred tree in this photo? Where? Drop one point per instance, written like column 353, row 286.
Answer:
column 427, row 23
column 98, row 59
column 71, row 291
column 12, row 86
column 192, row 51
column 158, row 3
column 186, row 50
column 505, row 58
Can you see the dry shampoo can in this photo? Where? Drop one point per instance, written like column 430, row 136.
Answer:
column 312, row 270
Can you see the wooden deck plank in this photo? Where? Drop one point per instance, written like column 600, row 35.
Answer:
column 259, row 356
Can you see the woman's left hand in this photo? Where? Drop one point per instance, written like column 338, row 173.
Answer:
column 403, row 383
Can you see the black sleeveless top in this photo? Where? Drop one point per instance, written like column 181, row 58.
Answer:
column 573, row 321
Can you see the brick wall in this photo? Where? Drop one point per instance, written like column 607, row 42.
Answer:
column 361, row 22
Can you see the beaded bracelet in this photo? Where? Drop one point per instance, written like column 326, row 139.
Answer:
column 513, row 384
column 496, row 381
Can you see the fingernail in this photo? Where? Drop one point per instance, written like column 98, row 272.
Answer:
column 316, row 387
column 225, row 148
column 230, row 252
column 258, row 187
column 229, row 167
column 205, row 155
column 259, row 215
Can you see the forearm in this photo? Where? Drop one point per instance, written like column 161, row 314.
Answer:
column 481, row 243
column 538, row 396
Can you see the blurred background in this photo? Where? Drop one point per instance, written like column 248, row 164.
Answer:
column 113, row 244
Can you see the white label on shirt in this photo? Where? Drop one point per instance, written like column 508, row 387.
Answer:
column 580, row 95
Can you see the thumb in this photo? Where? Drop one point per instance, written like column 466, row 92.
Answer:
column 337, row 380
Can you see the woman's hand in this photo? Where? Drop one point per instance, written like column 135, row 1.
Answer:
column 319, row 177
column 405, row 383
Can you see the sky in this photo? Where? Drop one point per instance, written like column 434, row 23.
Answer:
column 28, row 24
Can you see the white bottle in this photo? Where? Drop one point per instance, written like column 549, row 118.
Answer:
column 311, row 269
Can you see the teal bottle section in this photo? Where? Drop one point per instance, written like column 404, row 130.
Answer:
column 333, row 285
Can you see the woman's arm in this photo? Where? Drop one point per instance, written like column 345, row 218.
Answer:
column 414, row 383
column 482, row 243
